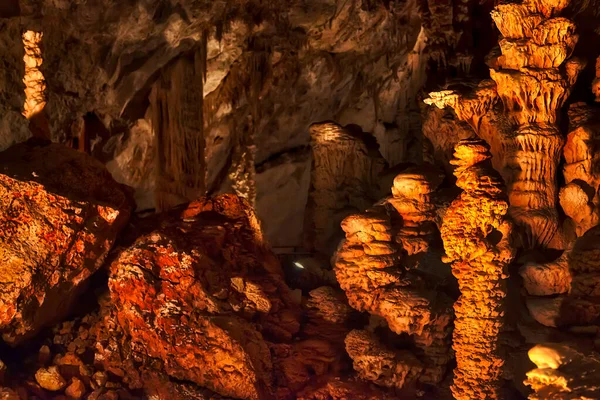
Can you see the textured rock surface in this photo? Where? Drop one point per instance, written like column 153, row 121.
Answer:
column 574, row 277
column 212, row 270
column 534, row 77
column 563, row 373
column 476, row 238
column 369, row 268
column 375, row 363
column 344, row 177
column 59, row 216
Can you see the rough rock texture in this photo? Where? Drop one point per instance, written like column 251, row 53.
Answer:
column 212, row 271
column 368, row 268
column 563, row 373
column 534, row 77
column 376, row 363
column 59, row 216
column 344, row 179
column 579, row 197
column 298, row 61
column 570, row 285
column 476, row 238
column 35, row 85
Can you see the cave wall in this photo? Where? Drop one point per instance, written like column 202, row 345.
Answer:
column 273, row 67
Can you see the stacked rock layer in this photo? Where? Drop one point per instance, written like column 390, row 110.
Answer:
column 476, row 239
column 534, row 77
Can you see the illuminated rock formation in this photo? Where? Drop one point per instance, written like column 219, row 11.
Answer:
column 412, row 199
column 563, row 373
column 596, row 83
column 345, row 173
column 368, row 268
column 534, row 78
column 59, row 216
column 176, row 107
column 476, row 239
column 202, row 293
column 579, row 197
column 565, row 292
column 35, row 84
column 376, row 363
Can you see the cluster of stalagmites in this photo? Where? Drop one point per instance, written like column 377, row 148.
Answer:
column 476, row 240
column 378, row 267
column 196, row 305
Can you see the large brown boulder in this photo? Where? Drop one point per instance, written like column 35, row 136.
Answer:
column 60, row 212
column 202, row 293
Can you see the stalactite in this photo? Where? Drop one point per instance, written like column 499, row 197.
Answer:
column 476, row 239
column 176, row 103
column 534, row 77
column 35, row 85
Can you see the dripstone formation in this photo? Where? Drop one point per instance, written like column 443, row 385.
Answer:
column 476, row 239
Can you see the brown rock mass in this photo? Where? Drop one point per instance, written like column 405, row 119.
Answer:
column 59, row 216
column 200, row 294
column 476, row 239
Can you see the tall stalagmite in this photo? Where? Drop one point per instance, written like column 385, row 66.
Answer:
column 35, row 84
column 346, row 166
column 534, row 77
column 177, row 114
column 476, row 239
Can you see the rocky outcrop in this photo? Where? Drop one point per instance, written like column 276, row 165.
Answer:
column 376, row 363
column 202, row 294
column 534, row 77
column 563, row 373
column 59, row 216
column 579, row 197
column 565, row 292
column 344, row 177
column 476, row 238
column 369, row 269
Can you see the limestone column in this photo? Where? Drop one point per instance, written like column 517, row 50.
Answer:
column 35, row 85
column 476, row 238
column 534, row 76
column 176, row 103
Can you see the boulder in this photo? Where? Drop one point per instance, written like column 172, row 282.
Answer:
column 60, row 213
column 202, row 294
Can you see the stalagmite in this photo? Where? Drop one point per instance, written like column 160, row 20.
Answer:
column 534, row 77
column 346, row 166
column 368, row 268
column 35, row 84
column 476, row 239
column 579, row 198
column 177, row 115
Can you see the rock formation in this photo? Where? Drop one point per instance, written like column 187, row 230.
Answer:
column 59, row 216
column 345, row 172
column 35, row 84
column 579, row 197
column 564, row 292
column 476, row 239
column 176, row 106
column 369, row 269
column 563, row 373
column 212, row 270
column 534, row 77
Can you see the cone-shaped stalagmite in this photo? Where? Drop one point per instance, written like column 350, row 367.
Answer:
column 476, row 239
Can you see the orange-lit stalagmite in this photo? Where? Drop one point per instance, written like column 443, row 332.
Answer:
column 534, row 77
column 476, row 239
column 35, row 84
column 370, row 268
